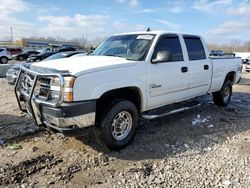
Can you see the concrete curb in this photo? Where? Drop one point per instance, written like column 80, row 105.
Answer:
column 3, row 70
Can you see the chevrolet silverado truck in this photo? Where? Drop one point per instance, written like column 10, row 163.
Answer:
column 129, row 76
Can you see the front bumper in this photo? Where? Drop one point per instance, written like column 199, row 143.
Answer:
column 67, row 118
column 69, row 115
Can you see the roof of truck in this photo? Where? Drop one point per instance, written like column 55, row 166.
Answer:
column 157, row 32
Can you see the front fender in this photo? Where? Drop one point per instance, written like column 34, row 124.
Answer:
column 101, row 89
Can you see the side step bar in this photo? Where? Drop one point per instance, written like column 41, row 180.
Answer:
column 154, row 116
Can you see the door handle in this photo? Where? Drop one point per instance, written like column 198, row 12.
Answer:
column 206, row 67
column 184, row 69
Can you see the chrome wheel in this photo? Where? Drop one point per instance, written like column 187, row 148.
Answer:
column 121, row 125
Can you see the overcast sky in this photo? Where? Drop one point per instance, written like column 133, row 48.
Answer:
column 219, row 21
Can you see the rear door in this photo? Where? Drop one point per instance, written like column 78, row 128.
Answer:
column 167, row 81
column 200, row 67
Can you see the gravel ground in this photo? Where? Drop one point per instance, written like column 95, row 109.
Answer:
column 205, row 147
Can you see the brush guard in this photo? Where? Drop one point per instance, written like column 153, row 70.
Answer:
column 24, row 91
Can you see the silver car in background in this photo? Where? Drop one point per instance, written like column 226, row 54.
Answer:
column 5, row 56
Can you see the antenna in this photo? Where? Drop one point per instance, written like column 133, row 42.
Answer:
column 148, row 29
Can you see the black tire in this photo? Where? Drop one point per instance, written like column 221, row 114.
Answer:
column 223, row 97
column 21, row 58
column 4, row 60
column 107, row 128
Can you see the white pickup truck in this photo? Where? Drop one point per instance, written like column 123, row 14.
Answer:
column 128, row 76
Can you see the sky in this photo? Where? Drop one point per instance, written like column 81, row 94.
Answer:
column 219, row 21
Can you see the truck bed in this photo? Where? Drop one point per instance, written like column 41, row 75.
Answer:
column 221, row 66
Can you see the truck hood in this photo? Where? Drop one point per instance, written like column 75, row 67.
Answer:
column 85, row 64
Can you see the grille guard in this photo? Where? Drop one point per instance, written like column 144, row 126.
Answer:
column 30, row 97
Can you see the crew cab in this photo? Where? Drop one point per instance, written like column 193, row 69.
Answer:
column 128, row 76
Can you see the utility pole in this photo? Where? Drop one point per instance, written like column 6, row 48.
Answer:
column 86, row 34
column 11, row 36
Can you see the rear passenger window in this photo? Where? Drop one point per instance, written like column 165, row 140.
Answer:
column 170, row 43
column 195, row 48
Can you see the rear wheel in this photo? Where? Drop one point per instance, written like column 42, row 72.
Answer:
column 21, row 58
column 4, row 60
column 118, row 126
column 223, row 97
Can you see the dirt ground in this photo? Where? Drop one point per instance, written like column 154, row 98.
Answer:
column 205, row 147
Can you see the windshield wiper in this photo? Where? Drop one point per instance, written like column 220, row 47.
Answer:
column 113, row 55
column 109, row 55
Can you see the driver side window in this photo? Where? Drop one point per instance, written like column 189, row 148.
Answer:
column 170, row 44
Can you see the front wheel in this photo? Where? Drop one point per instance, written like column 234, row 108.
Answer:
column 223, row 97
column 119, row 125
column 4, row 60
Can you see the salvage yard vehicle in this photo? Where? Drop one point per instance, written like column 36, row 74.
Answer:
column 40, row 56
column 246, row 64
column 63, row 55
column 24, row 55
column 14, row 51
column 217, row 53
column 130, row 75
column 12, row 73
column 5, row 56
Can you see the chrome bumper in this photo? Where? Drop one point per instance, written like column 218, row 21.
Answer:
column 81, row 121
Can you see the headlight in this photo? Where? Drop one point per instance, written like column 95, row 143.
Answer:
column 68, row 88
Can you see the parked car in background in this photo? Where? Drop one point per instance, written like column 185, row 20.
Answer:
column 64, row 55
column 5, row 56
column 246, row 63
column 40, row 56
column 66, row 49
column 229, row 54
column 24, row 55
column 14, row 51
column 216, row 53
column 13, row 72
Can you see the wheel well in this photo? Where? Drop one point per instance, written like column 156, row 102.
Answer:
column 128, row 93
column 230, row 76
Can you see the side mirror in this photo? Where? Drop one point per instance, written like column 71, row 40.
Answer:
column 161, row 56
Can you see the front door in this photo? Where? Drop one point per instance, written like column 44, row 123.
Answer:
column 167, row 80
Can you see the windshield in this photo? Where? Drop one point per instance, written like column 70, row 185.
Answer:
column 131, row 47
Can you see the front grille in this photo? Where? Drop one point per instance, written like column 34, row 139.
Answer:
column 33, row 88
column 44, row 88
column 41, row 90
